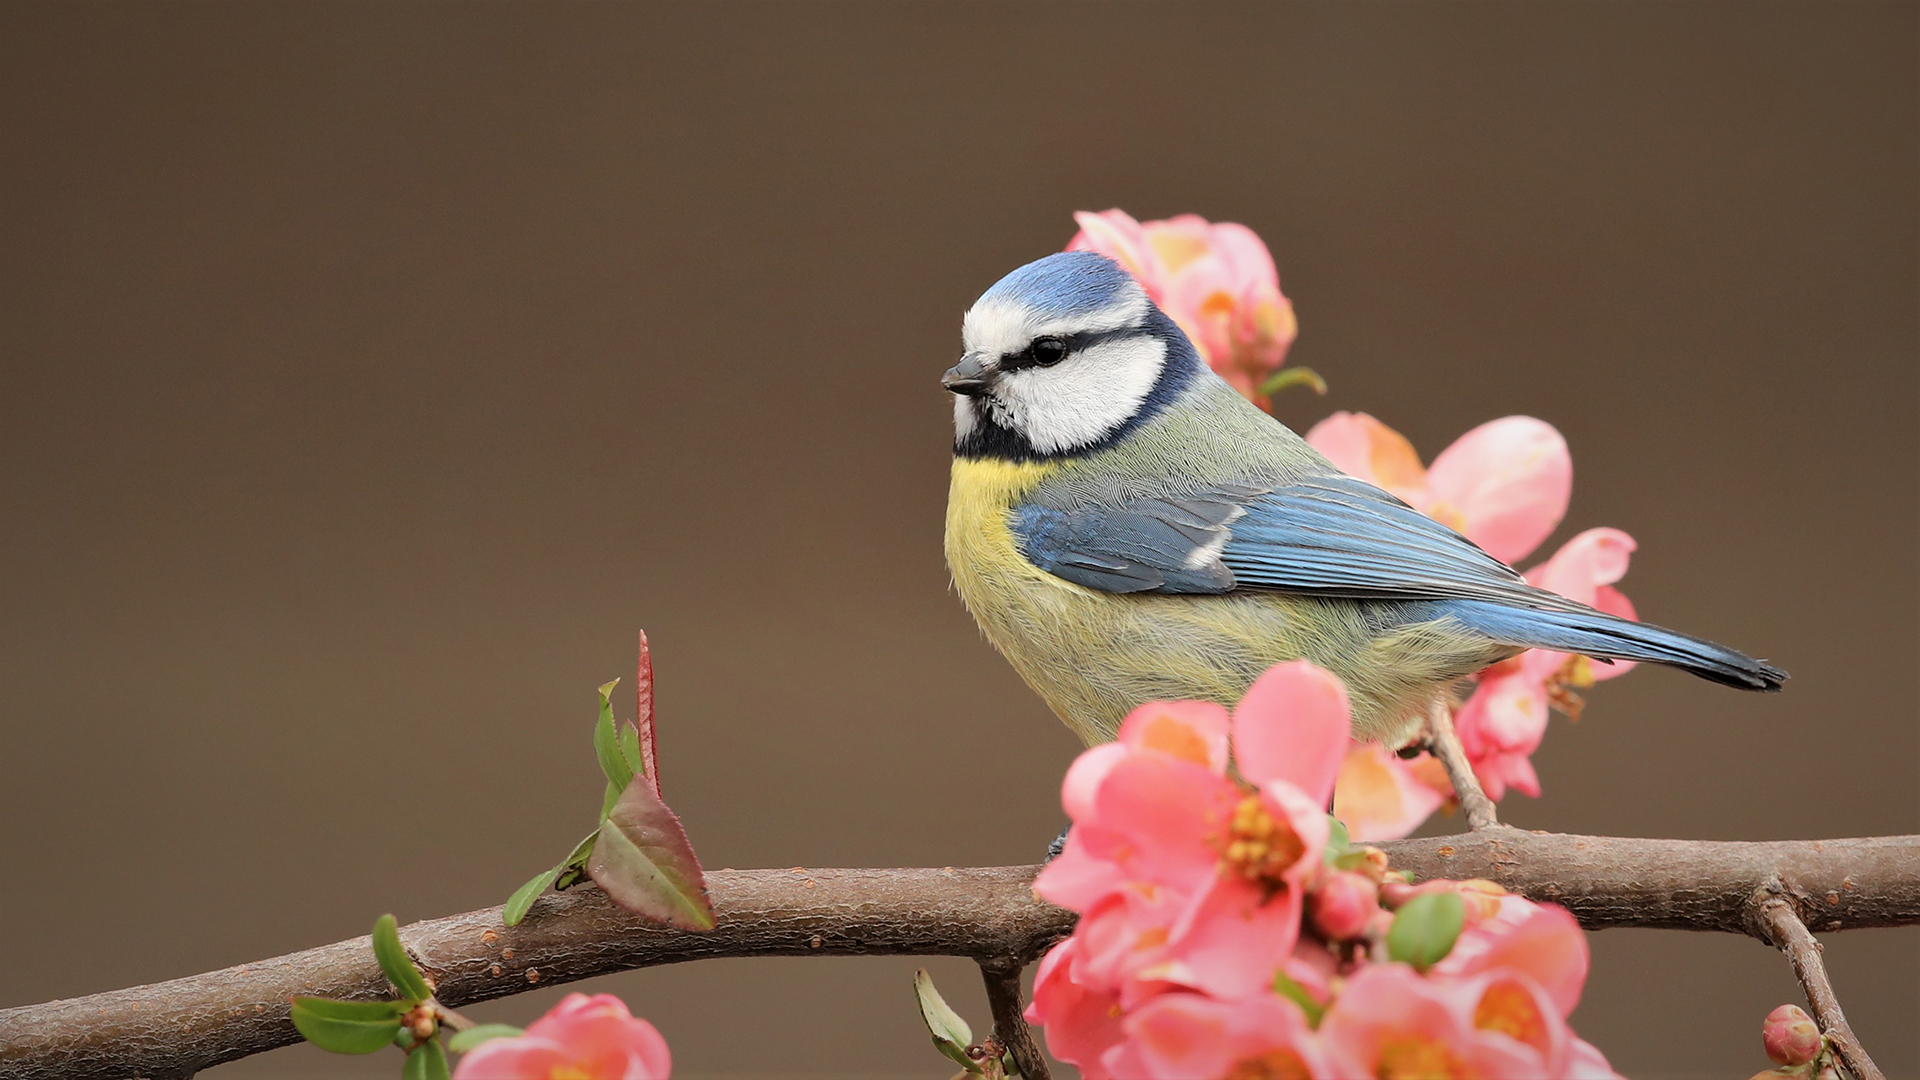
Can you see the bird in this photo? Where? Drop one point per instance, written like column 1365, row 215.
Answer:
column 1126, row 528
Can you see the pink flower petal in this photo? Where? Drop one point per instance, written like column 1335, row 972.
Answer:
column 1233, row 937
column 1169, row 813
column 1081, row 1021
column 1084, row 777
column 1193, row 731
column 1363, row 447
column 1506, row 482
column 1593, row 558
column 1115, row 234
column 1292, row 725
column 1543, row 941
column 1378, row 797
column 1183, row 1036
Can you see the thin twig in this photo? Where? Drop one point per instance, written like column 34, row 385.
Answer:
column 1010, row 1030
column 1784, row 929
column 1466, row 786
column 173, row 1029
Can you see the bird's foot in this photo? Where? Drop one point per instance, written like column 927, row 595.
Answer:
column 1059, row 844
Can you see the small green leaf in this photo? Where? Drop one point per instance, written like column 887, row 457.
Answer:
column 1338, row 842
column 463, row 1041
column 573, row 869
column 1293, row 376
column 607, row 799
column 630, row 749
column 606, row 743
column 347, row 1027
column 524, row 896
column 951, row 1035
column 1284, row 985
column 645, row 864
column 1425, row 928
column 394, row 960
column 428, row 1061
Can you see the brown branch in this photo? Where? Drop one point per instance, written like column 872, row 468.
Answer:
column 1010, row 1030
column 175, row 1028
column 1779, row 923
column 1466, row 786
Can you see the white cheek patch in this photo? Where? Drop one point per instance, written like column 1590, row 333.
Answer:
column 963, row 421
column 1082, row 399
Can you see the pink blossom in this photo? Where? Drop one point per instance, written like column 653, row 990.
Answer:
column 1502, row 724
column 1390, row 1022
column 1519, row 937
column 1185, row 876
column 1182, row 1036
column 581, row 1037
column 1504, row 485
column 1217, row 281
column 1082, row 1017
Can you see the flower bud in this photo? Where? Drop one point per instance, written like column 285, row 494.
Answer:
column 1342, row 905
column 1790, row 1036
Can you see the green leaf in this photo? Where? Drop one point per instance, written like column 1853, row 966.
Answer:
column 606, row 743
column 573, row 869
column 1293, row 376
column 951, row 1035
column 607, row 799
column 463, row 1041
column 1284, row 985
column 394, row 960
column 524, row 896
column 1338, row 842
column 645, row 864
column 347, row 1027
column 630, row 749
column 1425, row 928
column 428, row 1061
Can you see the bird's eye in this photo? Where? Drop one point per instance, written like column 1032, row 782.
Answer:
column 1047, row 351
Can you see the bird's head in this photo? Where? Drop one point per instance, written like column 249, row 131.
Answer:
column 1063, row 356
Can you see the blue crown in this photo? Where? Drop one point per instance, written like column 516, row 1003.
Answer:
column 1063, row 285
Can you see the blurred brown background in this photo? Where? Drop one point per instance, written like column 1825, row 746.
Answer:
column 372, row 372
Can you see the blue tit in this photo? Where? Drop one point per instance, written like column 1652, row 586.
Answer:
column 1127, row 528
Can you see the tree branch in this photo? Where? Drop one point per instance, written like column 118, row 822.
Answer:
column 1777, row 922
column 174, row 1029
column 1010, row 1030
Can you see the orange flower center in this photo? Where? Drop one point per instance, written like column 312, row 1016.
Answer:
column 1272, row 1065
column 1510, row 1010
column 1258, row 847
column 569, row 1072
column 1415, row 1058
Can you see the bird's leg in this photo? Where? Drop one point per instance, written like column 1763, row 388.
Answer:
column 1059, row 844
column 1466, row 787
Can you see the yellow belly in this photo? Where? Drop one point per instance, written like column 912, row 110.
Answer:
column 1094, row 656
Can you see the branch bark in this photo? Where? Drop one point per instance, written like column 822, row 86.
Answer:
column 1010, row 1028
column 1779, row 923
column 176, row 1028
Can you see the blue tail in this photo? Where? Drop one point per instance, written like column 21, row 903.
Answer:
column 1603, row 636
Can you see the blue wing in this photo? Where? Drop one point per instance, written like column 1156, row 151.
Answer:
column 1340, row 537
column 1331, row 536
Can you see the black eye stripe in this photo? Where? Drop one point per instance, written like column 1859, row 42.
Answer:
column 1073, row 343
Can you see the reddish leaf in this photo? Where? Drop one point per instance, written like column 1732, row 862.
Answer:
column 643, row 716
column 646, row 865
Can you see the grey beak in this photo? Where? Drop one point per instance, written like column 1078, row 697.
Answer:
column 970, row 376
